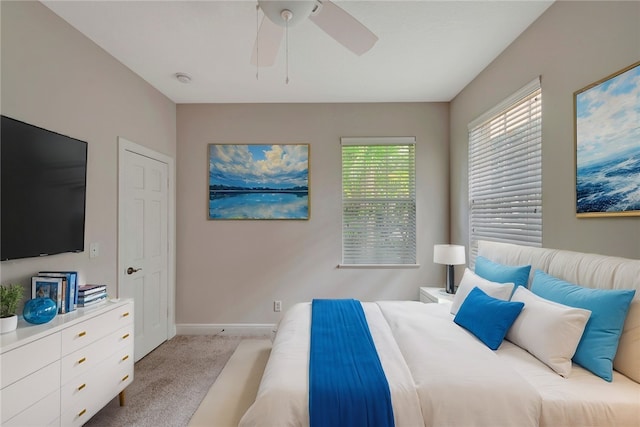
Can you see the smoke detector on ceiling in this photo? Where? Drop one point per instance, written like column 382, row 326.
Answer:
column 183, row 78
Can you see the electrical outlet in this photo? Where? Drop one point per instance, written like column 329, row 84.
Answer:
column 277, row 306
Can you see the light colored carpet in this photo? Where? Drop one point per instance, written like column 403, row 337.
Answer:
column 169, row 383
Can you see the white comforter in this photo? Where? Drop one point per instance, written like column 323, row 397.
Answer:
column 459, row 380
column 283, row 396
column 460, row 383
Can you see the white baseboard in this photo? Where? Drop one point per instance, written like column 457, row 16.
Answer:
column 230, row 329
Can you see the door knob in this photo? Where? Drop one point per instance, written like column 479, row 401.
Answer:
column 132, row 270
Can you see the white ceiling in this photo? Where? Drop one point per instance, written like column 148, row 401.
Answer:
column 428, row 51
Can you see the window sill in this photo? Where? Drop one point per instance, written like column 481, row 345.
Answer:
column 378, row 265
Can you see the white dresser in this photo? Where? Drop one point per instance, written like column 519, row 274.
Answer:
column 63, row 372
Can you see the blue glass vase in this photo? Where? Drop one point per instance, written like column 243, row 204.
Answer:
column 39, row 310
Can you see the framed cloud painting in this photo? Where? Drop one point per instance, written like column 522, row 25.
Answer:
column 258, row 181
column 607, row 135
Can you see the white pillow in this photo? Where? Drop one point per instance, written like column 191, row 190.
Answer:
column 471, row 280
column 548, row 330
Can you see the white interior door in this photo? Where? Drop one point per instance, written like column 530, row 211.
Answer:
column 144, row 246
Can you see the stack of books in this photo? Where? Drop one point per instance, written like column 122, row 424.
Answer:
column 60, row 286
column 89, row 295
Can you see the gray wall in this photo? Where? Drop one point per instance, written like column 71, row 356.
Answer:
column 572, row 45
column 56, row 78
column 228, row 272
column 231, row 271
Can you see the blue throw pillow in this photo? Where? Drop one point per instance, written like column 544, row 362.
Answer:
column 486, row 317
column 599, row 342
column 518, row 275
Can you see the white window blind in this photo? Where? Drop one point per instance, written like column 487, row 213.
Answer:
column 378, row 201
column 505, row 171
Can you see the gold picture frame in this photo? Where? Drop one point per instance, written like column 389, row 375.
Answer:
column 607, row 145
column 258, row 181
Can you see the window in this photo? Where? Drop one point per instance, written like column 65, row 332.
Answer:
column 505, row 171
column 378, row 201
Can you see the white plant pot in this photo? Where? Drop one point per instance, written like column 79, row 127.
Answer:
column 8, row 324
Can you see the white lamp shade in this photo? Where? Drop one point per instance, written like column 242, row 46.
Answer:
column 448, row 254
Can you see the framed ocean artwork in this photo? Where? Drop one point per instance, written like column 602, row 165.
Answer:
column 607, row 140
column 258, row 181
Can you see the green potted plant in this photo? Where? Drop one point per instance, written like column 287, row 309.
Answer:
column 10, row 296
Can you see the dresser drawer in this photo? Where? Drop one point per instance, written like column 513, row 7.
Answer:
column 80, row 335
column 22, row 361
column 85, row 395
column 85, row 359
column 22, row 394
column 45, row 412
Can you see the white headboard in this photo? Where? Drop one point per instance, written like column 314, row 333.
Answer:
column 590, row 270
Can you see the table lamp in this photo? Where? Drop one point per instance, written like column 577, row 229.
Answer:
column 449, row 255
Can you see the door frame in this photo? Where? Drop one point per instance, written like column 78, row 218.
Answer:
column 125, row 145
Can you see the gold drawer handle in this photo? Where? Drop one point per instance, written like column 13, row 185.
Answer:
column 125, row 314
column 81, row 387
column 125, row 336
column 125, row 378
column 125, row 358
column 81, row 334
column 81, row 413
column 84, row 359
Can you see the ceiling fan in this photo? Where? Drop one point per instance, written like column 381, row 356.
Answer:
column 333, row 20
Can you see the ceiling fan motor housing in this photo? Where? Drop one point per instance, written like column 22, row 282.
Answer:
column 300, row 10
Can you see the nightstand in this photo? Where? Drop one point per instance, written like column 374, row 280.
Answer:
column 437, row 295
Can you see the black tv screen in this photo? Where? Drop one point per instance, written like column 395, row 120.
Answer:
column 43, row 190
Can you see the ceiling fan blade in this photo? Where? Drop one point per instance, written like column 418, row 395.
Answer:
column 268, row 43
column 344, row 28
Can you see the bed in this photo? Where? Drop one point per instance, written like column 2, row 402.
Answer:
column 441, row 374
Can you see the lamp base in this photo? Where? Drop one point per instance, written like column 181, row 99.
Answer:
column 450, row 288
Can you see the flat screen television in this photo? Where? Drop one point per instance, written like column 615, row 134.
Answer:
column 43, row 191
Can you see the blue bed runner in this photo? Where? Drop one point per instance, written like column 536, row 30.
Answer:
column 347, row 385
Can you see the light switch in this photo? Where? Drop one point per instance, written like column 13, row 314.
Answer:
column 94, row 250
